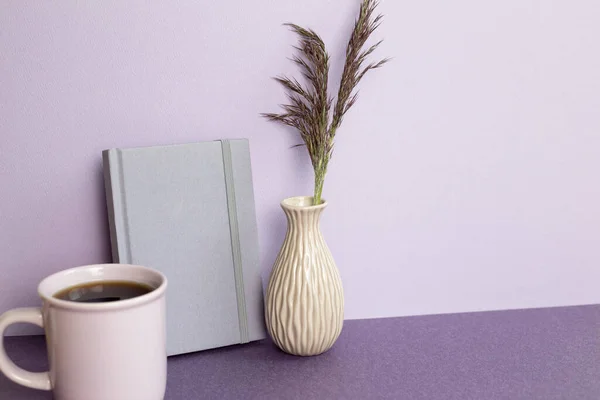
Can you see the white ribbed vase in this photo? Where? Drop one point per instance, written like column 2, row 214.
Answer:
column 305, row 300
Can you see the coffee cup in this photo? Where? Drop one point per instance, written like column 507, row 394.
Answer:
column 105, row 334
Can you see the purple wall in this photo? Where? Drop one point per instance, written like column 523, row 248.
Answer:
column 466, row 177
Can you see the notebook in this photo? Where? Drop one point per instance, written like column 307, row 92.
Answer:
column 188, row 211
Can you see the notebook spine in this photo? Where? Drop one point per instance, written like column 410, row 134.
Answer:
column 115, row 200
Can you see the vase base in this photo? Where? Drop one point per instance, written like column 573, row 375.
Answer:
column 304, row 354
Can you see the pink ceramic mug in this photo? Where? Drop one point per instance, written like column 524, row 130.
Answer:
column 97, row 351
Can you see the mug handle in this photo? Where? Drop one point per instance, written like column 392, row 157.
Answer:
column 34, row 380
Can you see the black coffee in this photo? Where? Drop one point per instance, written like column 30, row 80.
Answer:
column 103, row 291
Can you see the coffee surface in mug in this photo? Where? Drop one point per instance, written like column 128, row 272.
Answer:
column 103, row 291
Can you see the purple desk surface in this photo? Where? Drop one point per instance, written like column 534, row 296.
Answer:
column 544, row 354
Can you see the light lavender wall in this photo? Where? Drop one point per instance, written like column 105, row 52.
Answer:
column 466, row 178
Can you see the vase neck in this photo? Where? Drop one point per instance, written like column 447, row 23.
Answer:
column 303, row 218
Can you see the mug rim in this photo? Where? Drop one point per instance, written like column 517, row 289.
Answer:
column 158, row 292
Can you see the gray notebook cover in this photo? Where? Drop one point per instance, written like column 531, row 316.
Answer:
column 188, row 211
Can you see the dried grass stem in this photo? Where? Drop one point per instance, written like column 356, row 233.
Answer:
column 310, row 108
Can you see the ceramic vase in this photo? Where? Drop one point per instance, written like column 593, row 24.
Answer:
column 305, row 300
